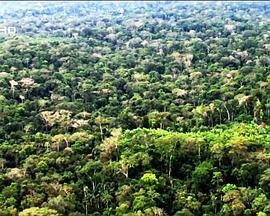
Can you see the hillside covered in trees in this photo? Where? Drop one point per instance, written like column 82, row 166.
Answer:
column 135, row 108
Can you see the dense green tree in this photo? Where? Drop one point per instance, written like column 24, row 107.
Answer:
column 135, row 108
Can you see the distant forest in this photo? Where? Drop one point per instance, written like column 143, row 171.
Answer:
column 135, row 109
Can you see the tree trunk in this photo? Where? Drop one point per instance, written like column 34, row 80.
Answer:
column 66, row 141
column 101, row 132
column 170, row 166
column 228, row 113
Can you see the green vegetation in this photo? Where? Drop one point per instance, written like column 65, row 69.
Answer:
column 135, row 108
